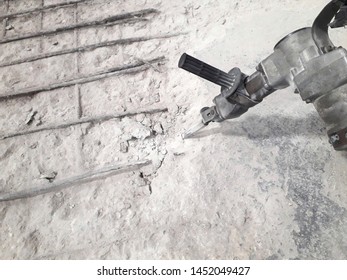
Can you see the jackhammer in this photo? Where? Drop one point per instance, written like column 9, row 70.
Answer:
column 306, row 59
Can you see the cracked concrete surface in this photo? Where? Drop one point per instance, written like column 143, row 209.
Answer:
column 265, row 186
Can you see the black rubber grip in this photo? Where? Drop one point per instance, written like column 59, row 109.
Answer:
column 204, row 70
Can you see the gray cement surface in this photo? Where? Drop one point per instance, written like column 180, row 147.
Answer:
column 265, row 186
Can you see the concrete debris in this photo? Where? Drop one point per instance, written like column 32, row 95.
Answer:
column 9, row 27
column 158, row 128
column 124, row 147
column 266, row 185
column 50, row 176
column 146, row 121
column 31, row 116
column 135, row 130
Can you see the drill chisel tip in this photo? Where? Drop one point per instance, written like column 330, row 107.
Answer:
column 191, row 131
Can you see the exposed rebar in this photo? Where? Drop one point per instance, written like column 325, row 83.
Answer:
column 69, row 182
column 85, row 120
column 126, row 41
column 121, row 18
column 122, row 70
column 44, row 8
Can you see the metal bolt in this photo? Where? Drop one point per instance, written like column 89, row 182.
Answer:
column 334, row 138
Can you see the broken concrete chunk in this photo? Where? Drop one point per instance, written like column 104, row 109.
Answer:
column 31, row 116
column 135, row 129
column 59, row 194
column 141, row 133
column 34, row 146
column 158, row 128
column 124, row 147
column 163, row 151
column 157, row 98
column 39, row 121
column 146, row 121
column 140, row 117
column 50, row 176
column 9, row 27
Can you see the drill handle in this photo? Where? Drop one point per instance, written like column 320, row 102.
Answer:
column 206, row 71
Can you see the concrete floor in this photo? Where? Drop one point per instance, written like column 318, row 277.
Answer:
column 265, row 186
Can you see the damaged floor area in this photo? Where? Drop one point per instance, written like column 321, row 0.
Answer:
column 92, row 108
